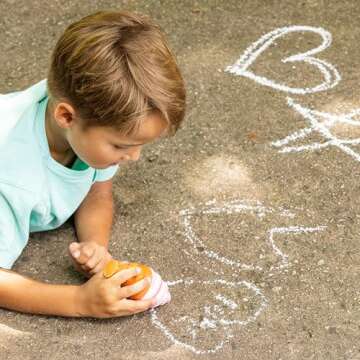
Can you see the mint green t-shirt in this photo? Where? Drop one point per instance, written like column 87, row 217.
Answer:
column 37, row 193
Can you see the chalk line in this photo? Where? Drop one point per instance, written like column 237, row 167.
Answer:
column 322, row 128
column 329, row 72
column 6, row 330
column 237, row 206
column 288, row 230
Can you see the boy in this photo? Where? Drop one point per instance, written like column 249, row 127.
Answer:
column 113, row 86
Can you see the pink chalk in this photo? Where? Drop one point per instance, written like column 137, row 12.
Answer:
column 158, row 289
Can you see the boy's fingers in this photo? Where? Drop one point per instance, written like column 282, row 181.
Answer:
column 100, row 265
column 92, row 262
column 74, row 245
column 136, row 306
column 85, row 254
column 129, row 290
column 123, row 275
column 87, row 250
column 74, row 249
column 97, row 268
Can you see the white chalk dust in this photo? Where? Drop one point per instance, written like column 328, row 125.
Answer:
column 220, row 175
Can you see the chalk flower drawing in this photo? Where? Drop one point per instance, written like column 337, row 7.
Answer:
column 329, row 72
column 222, row 313
column 321, row 123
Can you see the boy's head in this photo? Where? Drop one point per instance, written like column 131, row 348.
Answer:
column 112, row 74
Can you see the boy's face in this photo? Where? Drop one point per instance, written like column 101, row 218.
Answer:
column 101, row 147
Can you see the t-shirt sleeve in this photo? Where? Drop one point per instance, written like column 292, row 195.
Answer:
column 105, row 174
column 13, row 234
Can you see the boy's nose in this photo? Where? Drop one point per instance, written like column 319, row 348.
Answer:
column 134, row 153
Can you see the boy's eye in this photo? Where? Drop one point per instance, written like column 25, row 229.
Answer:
column 119, row 147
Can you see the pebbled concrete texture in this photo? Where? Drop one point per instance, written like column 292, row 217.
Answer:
column 260, row 248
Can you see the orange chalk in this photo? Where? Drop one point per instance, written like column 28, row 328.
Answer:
column 114, row 266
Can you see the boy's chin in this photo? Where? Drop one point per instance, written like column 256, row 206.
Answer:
column 99, row 166
column 104, row 166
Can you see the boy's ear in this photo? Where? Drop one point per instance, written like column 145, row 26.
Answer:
column 64, row 115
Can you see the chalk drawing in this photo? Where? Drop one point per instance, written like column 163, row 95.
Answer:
column 6, row 330
column 321, row 123
column 284, row 262
column 233, row 207
column 222, row 313
column 219, row 313
column 9, row 335
column 329, row 72
column 218, row 319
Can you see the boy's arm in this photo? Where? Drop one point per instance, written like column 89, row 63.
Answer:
column 98, row 297
column 93, row 219
column 23, row 294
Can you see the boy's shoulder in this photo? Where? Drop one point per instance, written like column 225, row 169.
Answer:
column 13, row 105
column 20, row 158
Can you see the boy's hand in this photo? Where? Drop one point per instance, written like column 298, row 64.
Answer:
column 89, row 257
column 102, row 297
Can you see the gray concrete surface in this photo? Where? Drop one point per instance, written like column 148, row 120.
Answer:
column 298, row 297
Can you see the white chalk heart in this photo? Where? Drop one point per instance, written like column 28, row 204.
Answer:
column 329, row 72
column 204, row 324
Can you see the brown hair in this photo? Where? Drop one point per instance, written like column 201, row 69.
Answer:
column 114, row 68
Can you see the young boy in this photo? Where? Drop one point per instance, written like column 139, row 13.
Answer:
column 113, row 86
